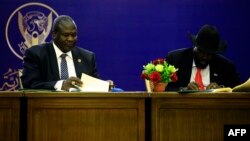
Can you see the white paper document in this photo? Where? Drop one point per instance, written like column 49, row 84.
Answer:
column 92, row 84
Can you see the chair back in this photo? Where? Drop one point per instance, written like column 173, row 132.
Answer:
column 20, row 73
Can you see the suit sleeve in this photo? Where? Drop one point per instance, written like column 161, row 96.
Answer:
column 32, row 72
column 94, row 72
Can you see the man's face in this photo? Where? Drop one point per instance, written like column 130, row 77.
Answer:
column 66, row 36
column 201, row 58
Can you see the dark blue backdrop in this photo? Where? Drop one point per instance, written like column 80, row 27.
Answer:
column 126, row 34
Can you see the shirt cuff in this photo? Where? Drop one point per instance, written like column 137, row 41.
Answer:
column 58, row 85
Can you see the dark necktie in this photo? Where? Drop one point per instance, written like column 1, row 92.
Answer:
column 198, row 79
column 64, row 67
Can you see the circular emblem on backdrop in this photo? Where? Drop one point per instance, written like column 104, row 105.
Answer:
column 30, row 24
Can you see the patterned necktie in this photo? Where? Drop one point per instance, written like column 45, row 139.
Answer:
column 64, row 67
column 198, row 79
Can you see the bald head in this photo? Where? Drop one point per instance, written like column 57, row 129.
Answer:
column 62, row 21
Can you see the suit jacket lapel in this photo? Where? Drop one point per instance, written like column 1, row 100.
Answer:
column 188, row 66
column 78, row 62
column 53, row 63
column 213, row 74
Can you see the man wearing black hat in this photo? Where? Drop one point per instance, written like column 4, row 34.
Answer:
column 202, row 67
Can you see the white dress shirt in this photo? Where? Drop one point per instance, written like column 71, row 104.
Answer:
column 205, row 73
column 70, row 64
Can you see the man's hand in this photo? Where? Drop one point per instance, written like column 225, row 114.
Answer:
column 72, row 82
column 193, row 86
column 111, row 84
column 212, row 85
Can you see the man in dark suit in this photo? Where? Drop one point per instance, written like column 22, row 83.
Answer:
column 43, row 64
column 214, row 69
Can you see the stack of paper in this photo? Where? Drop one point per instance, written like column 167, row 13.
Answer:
column 92, row 84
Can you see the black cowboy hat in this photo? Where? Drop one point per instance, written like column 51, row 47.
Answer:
column 208, row 40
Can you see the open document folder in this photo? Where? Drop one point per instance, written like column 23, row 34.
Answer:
column 92, row 84
column 244, row 87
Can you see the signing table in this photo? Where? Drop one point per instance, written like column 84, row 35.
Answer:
column 86, row 116
column 197, row 117
column 9, row 115
column 121, row 116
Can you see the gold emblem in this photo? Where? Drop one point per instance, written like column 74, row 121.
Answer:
column 34, row 26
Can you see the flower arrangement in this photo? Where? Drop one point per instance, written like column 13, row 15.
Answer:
column 159, row 71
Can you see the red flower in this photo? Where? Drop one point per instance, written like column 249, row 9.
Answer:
column 144, row 76
column 159, row 70
column 155, row 77
column 174, row 77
